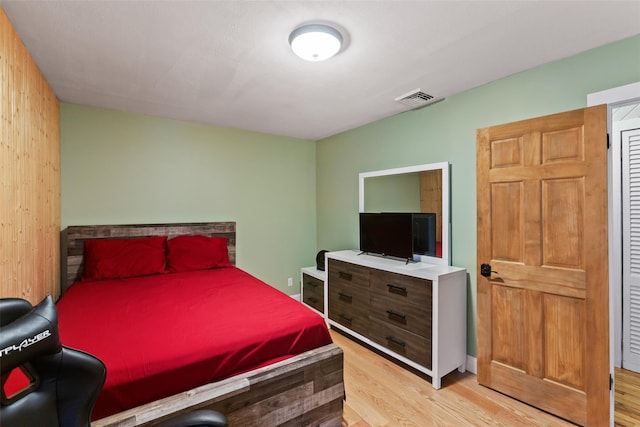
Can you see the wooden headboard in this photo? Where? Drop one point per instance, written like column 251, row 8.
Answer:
column 72, row 241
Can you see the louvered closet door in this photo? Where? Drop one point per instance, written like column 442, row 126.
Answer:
column 631, row 249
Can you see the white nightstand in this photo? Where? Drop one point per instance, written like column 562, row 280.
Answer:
column 313, row 289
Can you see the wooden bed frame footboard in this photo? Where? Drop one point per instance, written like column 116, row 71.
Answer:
column 306, row 389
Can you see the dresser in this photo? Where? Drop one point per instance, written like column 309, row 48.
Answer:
column 415, row 313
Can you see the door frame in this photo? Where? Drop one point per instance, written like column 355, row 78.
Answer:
column 613, row 98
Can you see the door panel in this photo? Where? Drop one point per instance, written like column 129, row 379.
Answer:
column 542, row 226
column 509, row 335
column 562, row 207
column 507, row 221
column 565, row 339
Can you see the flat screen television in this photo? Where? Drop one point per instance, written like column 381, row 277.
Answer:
column 398, row 234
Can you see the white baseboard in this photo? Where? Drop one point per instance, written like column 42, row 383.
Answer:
column 295, row 297
column 472, row 364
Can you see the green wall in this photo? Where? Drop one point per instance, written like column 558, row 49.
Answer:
column 446, row 131
column 121, row 168
column 291, row 197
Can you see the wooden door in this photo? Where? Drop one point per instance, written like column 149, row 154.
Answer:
column 543, row 322
column 431, row 197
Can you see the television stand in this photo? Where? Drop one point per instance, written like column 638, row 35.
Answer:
column 406, row 260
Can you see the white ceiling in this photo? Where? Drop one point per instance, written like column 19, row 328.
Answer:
column 228, row 63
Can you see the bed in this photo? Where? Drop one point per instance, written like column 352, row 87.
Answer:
column 225, row 340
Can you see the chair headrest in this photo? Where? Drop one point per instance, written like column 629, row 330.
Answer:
column 12, row 308
column 31, row 335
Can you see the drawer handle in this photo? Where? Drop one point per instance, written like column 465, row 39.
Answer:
column 398, row 290
column 345, row 275
column 398, row 317
column 312, row 284
column 345, row 297
column 395, row 341
column 346, row 318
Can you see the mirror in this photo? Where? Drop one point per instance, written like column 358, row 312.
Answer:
column 421, row 188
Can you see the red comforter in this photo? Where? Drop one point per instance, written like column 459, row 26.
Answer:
column 160, row 335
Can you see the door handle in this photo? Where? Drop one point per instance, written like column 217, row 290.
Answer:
column 485, row 270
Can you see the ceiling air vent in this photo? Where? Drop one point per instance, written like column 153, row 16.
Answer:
column 416, row 99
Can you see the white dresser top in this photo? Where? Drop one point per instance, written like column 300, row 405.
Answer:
column 416, row 269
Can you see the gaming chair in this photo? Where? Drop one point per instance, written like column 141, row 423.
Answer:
column 63, row 383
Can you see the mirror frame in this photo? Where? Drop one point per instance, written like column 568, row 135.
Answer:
column 446, row 216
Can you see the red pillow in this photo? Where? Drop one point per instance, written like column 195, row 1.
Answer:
column 187, row 253
column 121, row 258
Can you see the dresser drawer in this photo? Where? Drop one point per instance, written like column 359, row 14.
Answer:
column 401, row 313
column 398, row 340
column 349, row 306
column 313, row 292
column 348, row 274
column 402, row 288
column 355, row 320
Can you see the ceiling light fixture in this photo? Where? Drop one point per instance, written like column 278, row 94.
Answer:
column 315, row 42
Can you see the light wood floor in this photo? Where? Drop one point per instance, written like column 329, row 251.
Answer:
column 627, row 396
column 382, row 393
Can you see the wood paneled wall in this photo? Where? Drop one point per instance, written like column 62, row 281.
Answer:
column 29, row 175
